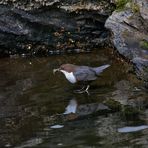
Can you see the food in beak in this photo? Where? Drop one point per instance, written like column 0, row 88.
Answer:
column 55, row 70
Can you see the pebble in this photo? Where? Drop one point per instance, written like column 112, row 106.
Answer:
column 57, row 126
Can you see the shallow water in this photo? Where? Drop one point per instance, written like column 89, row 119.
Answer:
column 39, row 109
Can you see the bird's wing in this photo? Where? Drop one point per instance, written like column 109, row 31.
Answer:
column 85, row 75
column 100, row 69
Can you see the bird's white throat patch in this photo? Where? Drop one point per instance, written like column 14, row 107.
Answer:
column 69, row 76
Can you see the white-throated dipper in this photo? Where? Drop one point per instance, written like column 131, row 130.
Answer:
column 75, row 73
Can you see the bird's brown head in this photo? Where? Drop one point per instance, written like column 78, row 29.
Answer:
column 66, row 67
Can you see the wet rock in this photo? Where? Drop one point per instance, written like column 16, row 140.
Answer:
column 142, row 69
column 130, row 34
column 128, row 95
column 39, row 27
column 29, row 5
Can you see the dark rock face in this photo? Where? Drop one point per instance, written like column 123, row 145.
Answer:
column 55, row 27
column 130, row 34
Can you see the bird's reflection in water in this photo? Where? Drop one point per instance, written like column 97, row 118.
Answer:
column 84, row 109
column 72, row 107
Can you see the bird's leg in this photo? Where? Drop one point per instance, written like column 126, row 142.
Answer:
column 83, row 90
column 86, row 90
column 80, row 90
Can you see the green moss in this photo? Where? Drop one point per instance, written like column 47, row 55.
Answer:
column 114, row 105
column 144, row 44
column 125, row 110
column 120, row 4
column 128, row 110
column 135, row 7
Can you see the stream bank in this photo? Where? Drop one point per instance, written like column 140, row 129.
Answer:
column 47, row 28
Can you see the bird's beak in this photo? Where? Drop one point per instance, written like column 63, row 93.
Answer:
column 55, row 70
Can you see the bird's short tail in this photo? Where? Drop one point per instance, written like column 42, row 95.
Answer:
column 100, row 69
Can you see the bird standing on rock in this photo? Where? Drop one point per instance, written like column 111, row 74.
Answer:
column 84, row 74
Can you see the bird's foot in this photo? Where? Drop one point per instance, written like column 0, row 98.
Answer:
column 86, row 90
column 80, row 90
column 83, row 90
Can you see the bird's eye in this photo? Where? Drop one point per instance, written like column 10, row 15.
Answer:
column 62, row 68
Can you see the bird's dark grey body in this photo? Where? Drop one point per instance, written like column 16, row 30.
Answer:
column 85, row 73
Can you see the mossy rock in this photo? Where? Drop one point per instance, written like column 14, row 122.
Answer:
column 144, row 44
column 120, row 4
column 113, row 105
column 130, row 111
column 126, row 110
column 135, row 7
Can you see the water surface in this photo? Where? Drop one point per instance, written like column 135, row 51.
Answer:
column 39, row 109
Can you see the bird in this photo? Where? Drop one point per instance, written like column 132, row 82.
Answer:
column 82, row 74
